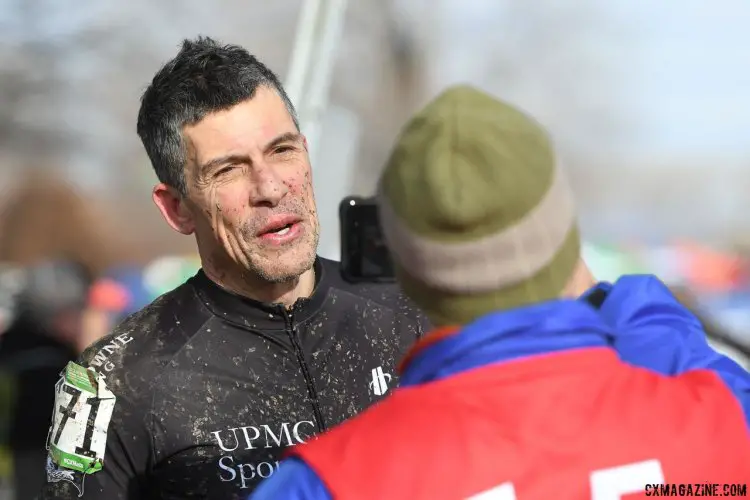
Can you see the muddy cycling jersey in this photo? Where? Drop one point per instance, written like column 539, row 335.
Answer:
column 197, row 395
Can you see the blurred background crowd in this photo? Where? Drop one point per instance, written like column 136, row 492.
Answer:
column 647, row 101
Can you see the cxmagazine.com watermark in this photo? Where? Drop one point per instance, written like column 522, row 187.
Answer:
column 696, row 490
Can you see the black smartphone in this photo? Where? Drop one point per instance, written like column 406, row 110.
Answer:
column 364, row 255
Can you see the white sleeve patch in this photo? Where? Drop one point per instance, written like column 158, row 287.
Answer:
column 83, row 410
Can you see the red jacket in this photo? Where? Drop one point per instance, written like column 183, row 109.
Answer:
column 621, row 429
column 543, row 402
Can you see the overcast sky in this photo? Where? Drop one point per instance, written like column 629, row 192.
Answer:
column 681, row 68
column 673, row 74
column 692, row 83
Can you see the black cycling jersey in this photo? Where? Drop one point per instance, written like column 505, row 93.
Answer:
column 198, row 394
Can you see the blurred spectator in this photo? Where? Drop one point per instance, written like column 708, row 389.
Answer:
column 131, row 279
column 6, row 458
column 710, row 270
column 731, row 343
column 46, row 333
column 11, row 279
column 108, row 301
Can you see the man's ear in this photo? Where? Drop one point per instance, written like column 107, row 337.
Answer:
column 173, row 208
column 304, row 143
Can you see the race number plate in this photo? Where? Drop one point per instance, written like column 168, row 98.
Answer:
column 83, row 410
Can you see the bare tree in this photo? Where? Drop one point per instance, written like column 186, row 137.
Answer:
column 72, row 82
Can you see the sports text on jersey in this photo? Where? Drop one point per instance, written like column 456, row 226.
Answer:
column 254, row 437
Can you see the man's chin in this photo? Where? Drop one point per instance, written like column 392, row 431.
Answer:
column 285, row 268
column 281, row 276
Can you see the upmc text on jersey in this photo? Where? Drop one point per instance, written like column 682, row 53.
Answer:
column 696, row 490
column 253, row 438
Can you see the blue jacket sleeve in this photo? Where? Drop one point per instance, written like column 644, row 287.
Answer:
column 654, row 330
column 294, row 480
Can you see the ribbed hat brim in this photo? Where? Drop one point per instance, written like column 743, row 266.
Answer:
column 446, row 309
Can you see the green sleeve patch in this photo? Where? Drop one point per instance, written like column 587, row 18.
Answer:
column 81, row 378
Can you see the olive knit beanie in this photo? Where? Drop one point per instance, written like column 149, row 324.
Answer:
column 475, row 209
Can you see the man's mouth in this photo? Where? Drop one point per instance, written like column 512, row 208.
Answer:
column 280, row 226
column 281, row 231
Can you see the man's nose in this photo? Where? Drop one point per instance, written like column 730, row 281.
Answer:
column 268, row 188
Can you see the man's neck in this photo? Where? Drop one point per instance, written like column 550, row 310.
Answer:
column 286, row 293
column 581, row 281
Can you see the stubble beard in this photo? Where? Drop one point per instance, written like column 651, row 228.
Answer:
column 287, row 263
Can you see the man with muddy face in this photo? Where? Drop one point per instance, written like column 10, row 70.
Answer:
column 198, row 394
column 248, row 199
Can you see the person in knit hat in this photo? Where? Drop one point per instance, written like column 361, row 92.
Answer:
column 527, row 389
column 477, row 211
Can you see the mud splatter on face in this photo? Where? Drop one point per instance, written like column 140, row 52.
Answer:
column 269, row 176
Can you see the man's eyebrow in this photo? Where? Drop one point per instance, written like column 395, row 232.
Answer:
column 236, row 158
column 288, row 137
column 222, row 160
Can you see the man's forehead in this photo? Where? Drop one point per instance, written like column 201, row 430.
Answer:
column 251, row 124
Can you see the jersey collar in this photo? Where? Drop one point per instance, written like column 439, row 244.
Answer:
column 253, row 314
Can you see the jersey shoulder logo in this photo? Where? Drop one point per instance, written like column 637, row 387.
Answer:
column 78, row 436
column 380, row 381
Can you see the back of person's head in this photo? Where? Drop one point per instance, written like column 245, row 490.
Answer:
column 476, row 211
column 204, row 77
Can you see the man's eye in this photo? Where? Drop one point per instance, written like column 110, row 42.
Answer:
column 224, row 170
column 283, row 149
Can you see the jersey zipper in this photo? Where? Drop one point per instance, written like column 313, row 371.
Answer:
column 311, row 391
